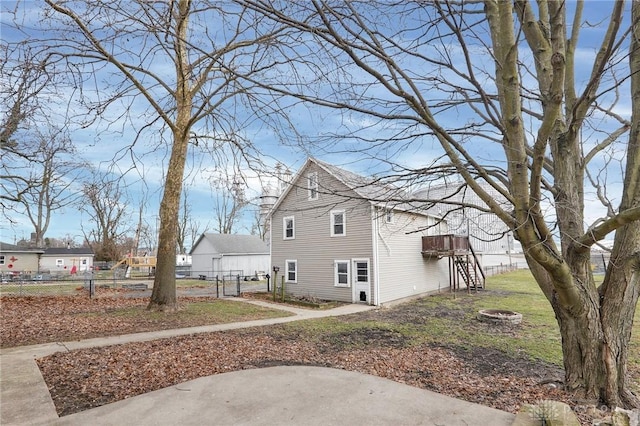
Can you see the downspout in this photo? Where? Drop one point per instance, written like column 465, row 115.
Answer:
column 380, row 237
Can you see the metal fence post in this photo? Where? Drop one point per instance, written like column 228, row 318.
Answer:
column 238, row 284
column 217, row 288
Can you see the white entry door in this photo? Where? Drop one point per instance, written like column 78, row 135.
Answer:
column 361, row 281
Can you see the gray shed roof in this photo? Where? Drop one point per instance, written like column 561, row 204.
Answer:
column 234, row 244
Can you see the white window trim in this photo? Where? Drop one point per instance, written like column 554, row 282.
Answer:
column 312, row 189
column 293, row 228
column 286, row 270
column 332, row 214
column 59, row 262
column 336, row 283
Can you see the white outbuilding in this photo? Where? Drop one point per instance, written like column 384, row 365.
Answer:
column 229, row 255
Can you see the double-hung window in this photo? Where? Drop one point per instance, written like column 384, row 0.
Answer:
column 341, row 273
column 2, row 259
column 338, row 223
column 288, row 228
column 312, row 185
column 292, row 271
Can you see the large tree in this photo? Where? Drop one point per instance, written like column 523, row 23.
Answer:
column 515, row 102
column 164, row 71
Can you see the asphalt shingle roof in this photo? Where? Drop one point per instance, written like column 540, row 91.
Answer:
column 4, row 247
column 235, row 244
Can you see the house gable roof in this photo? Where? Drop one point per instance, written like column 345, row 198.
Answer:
column 370, row 189
column 233, row 244
column 5, row 248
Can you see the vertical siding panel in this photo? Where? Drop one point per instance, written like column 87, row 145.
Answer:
column 404, row 272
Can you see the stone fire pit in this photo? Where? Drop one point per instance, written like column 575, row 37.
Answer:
column 499, row 316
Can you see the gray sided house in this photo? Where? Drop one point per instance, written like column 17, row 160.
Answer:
column 229, row 254
column 16, row 260
column 66, row 261
column 334, row 236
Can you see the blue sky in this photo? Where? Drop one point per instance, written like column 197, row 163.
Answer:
column 100, row 144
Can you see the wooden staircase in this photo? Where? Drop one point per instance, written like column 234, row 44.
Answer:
column 469, row 270
column 464, row 265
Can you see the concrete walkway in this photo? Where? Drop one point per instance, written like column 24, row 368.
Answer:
column 268, row 396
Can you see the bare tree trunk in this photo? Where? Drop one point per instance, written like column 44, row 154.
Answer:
column 617, row 311
column 595, row 339
column 163, row 296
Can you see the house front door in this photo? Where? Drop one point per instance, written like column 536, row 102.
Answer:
column 361, row 281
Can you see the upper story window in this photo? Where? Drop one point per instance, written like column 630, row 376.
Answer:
column 59, row 262
column 388, row 215
column 2, row 259
column 288, row 228
column 338, row 223
column 312, row 185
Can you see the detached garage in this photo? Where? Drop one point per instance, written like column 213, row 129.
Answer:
column 229, row 255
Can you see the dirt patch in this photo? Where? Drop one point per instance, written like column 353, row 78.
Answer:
column 490, row 361
column 365, row 337
column 299, row 302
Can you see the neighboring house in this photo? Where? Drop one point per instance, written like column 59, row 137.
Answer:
column 16, row 260
column 225, row 254
column 183, row 260
column 66, row 261
column 334, row 236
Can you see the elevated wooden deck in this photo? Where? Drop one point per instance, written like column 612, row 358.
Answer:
column 464, row 266
column 445, row 245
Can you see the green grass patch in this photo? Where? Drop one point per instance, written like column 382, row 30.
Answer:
column 29, row 288
column 450, row 320
column 213, row 311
